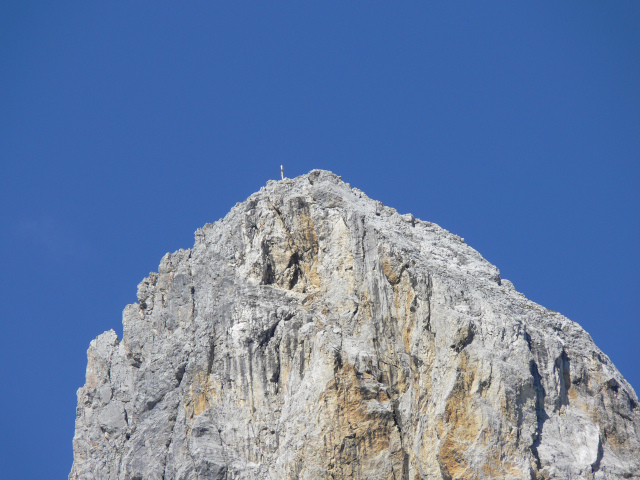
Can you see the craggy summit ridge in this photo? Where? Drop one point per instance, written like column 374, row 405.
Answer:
column 314, row 333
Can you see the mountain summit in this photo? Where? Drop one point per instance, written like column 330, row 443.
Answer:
column 314, row 333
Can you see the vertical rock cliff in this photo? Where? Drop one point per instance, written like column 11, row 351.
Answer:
column 314, row 333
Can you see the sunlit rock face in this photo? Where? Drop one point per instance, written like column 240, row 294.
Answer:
column 314, row 333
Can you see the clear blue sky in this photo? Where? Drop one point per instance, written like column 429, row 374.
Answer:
column 125, row 126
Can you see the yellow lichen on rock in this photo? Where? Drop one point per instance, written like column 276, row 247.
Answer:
column 199, row 395
column 357, row 417
column 466, row 426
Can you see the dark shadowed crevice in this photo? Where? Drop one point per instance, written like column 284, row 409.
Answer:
column 150, row 404
column 463, row 337
column 265, row 337
column 443, row 472
column 429, row 296
column 405, row 467
column 294, row 263
column 268, row 272
column 562, row 369
column 541, row 414
column 527, row 339
column 180, row 373
column 210, row 358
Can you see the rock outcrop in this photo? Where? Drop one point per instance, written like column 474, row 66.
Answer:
column 314, row 333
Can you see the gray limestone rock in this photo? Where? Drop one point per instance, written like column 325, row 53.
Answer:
column 314, row 333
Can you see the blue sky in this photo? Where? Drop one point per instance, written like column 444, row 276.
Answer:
column 125, row 126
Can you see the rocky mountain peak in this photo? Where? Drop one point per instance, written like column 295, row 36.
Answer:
column 314, row 333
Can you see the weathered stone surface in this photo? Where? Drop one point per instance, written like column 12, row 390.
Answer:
column 314, row 333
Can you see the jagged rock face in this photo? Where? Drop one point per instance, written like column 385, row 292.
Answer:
column 315, row 334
